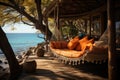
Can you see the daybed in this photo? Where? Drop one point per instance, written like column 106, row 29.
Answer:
column 79, row 50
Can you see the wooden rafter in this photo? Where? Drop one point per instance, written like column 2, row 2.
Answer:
column 73, row 7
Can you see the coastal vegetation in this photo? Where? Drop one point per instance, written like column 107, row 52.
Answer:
column 27, row 11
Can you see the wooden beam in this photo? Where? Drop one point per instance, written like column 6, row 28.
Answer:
column 111, row 41
column 94, row 11
column 90, row 25
column 49, row 9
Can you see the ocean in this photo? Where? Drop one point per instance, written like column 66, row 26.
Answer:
column 22, row 41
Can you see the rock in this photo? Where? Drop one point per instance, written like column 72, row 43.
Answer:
column 6, row 62
column 40, row 52
column 0, row 61
column 19, row 56
column 1, row 67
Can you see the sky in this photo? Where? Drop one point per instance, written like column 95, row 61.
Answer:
column 18, row 28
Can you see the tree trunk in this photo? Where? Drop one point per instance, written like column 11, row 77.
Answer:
column 43, row 29
column 39, row 23
column 14, row 66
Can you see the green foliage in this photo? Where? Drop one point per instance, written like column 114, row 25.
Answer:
column 69, row 29
column 65, row 30
column 30, row 7
column 73, row 31
column 9, row 14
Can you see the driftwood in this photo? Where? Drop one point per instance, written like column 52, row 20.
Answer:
column 29, row 66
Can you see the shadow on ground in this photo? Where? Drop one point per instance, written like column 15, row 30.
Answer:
column 95, row 69
column 44, row 74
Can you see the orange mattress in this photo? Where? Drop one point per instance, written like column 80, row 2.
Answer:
column 68, row 53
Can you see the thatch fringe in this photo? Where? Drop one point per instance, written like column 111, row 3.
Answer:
column 77, row 61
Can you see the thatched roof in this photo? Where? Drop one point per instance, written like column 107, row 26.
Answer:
column 69, row 8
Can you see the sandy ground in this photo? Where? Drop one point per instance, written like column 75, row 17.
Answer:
column 48, row 68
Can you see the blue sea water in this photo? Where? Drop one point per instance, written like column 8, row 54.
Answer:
column 22, row 41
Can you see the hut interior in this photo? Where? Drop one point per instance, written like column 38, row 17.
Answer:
column 91, row 17
column 88, row 17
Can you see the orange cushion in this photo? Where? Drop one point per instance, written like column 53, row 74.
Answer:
column 87, row 45
column 82, row 42
column 78, row 47
column 90, row 41
column 58, row 44
column 63, row 44
column 52, row 44
column 55, row 44
column 73, row 43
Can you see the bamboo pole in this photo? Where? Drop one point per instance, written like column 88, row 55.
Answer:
column 111, row 41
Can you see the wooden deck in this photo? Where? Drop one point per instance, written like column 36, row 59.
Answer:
column 48, row 68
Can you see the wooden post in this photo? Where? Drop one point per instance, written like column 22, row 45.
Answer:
column 111, row 41
column 46, row 37
column 85, row 26
column 58, row 14
column 90, row 25
column 103, row 22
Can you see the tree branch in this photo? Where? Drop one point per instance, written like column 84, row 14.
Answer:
column 19, row 9
column 26, row 22
column 39, row 11
column 13, row 2
column 41, row 37
column 6, row 4
column 11, row 18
